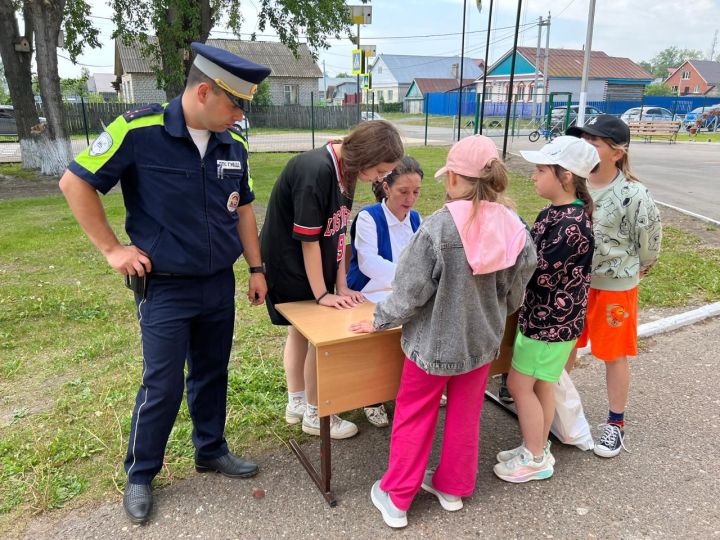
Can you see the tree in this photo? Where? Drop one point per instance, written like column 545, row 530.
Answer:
column 4, row 94
column 46, row 147
column 262, row 97
column 671, row 57
column 177, row 23
column 343, row 75
column 658, row 89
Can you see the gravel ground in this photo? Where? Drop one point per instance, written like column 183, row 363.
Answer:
column 666, row 487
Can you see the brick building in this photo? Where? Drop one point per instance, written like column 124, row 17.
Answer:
column 696, row 77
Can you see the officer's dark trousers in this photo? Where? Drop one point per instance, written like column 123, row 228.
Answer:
column 182, row 319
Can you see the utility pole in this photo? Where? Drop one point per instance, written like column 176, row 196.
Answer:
column 712, row 47
column 537, row 69
column 545, row 66
column 586, row 66
column 512, row 78
column 462, row 61
column 362, row 55
column 485, row 67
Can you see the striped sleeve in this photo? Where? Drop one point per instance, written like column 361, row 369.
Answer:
column 310, row 202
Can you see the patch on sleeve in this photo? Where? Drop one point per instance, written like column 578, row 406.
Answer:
column 101, row 145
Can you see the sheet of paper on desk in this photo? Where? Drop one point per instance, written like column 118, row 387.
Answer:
column 377, row 295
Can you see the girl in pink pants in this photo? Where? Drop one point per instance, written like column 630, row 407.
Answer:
column 463, row 272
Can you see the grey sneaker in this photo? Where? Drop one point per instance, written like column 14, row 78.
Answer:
column 377, row 416
column 507, row 455
column 392, row 515
column 451, row 503
column 339, row 428
column 611, row 442
column 294, row 411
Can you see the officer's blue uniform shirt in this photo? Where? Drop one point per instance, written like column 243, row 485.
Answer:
column 180, row 208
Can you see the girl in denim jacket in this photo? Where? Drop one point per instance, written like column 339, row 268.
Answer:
column 464, row 270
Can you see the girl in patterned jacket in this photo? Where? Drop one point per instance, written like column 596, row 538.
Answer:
column 628, row 233
column 553, row 313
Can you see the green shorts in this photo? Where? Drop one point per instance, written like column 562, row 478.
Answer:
column 540, row 359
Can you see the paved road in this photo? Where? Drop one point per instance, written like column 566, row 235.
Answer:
column 686, row 175
column 666, row 488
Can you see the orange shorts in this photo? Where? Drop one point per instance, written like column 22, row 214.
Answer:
column 611, row 324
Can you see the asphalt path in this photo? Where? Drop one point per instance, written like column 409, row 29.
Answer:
column 666, row 487
column 685, row 175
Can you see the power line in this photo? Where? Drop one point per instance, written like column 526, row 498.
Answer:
column 81, row 64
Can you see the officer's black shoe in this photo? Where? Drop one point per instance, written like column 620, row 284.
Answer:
column 137, row 502
column 229, row 465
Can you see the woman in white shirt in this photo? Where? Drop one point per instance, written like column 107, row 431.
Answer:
column 379, row 234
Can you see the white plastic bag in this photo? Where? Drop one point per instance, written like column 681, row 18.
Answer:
column 570, row 425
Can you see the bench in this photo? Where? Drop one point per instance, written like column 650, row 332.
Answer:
column 648, row 129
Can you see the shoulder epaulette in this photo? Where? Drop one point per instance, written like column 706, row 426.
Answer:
column 145, row 110
column 234, row 130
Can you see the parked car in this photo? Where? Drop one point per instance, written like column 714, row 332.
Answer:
column 708, row 121
column 558, row 113
column 648, row 113
column 7, row 120
column 370, row 115
column 243, row 124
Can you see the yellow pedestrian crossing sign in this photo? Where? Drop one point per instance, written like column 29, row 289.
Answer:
column 366, row 81
column 358, row 62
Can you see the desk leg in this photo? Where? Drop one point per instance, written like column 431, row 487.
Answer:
column 325, row 461
column 489, row 396
column 322, row 480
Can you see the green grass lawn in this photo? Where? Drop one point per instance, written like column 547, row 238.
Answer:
column 70, row 359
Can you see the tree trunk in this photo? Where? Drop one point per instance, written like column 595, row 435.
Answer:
column 19, row 78
column 47, row 17
column 171, row 50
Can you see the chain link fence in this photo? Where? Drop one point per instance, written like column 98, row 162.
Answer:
column 296, row 128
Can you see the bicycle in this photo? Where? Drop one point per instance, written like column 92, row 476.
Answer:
column 549, row 134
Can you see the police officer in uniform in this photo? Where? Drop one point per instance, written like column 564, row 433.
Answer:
column 183, row 169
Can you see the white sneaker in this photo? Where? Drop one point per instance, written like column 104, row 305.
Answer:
column 294, row 411
column 451, row 503
column 392, row 515
column 377, row 416
column 507, row 455
column 339, row 428
column 522, row 468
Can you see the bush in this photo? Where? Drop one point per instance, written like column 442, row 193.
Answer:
column 391, row 107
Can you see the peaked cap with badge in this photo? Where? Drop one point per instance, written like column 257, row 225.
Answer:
column 238, row 77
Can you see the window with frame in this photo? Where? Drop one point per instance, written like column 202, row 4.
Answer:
column 685, row 74
column 390, row 95
column 291, row 92
column 674, row 88
column 696, row 89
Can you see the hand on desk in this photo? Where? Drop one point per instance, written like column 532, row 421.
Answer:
column 356, row 296
column 362, row 327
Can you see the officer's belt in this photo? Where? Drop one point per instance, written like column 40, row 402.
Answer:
column 171, row 275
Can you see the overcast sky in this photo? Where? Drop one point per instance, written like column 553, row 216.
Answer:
column 637, row 29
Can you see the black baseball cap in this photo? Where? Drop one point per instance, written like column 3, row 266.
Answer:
column 603, row 125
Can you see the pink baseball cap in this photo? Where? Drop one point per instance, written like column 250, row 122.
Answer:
column 469, row 156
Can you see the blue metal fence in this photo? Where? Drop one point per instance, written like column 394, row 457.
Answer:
column 446, row 104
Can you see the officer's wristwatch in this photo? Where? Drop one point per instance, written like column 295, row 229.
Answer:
column 257, row 269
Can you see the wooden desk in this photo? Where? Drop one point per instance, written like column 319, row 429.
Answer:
column 353, row 370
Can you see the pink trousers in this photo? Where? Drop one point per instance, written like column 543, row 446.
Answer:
column 416, row 412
